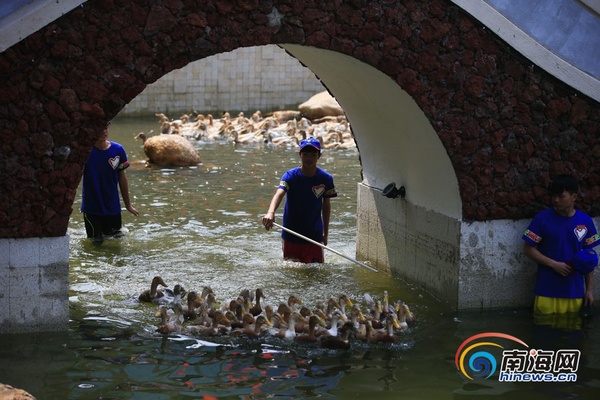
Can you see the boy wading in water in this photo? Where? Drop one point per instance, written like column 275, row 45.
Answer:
column 307, row 207
column 560, row 240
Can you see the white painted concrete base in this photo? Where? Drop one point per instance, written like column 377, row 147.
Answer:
column 469, row 265
column 34, row 295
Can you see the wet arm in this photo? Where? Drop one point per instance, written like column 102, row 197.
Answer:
column 124, row 187
column 588, row 297
column 269, row 217
column 326, row 216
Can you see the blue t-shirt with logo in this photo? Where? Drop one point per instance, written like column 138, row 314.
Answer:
column 560, row 238
column 100, row 192
column 304, row 203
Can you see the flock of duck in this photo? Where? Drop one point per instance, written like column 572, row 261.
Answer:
column 279, row 128
column 333, row 325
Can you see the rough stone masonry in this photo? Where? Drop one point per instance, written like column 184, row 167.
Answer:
column 508, row 126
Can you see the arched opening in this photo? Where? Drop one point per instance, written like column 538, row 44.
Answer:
column 396, row 141
column 397, row 144
column 191, row 222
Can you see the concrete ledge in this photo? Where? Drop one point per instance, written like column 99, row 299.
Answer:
column 35, row 296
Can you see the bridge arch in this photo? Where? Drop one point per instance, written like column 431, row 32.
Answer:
column 438, row 103
column 395, row 139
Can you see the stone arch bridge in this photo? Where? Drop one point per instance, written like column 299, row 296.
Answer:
column 438, row 102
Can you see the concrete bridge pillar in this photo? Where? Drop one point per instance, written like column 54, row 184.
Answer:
column 34, row 295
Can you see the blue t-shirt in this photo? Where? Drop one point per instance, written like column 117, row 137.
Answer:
column 100, row 192
column 560, row 238
column 304, row 203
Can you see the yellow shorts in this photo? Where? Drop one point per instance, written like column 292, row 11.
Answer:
column 553, row 305
column 557, row 313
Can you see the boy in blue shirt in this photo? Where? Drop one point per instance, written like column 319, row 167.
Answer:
column 103, row 176
column 307, row 207
column 553, row 239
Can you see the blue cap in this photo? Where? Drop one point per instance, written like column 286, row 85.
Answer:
column 585, row 261
column 310, row 141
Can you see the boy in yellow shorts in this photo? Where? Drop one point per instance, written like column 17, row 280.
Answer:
column 560, row 240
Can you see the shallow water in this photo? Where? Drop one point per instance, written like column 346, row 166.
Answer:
column 201, row 226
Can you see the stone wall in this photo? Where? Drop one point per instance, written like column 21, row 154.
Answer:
column 506, row 125
column 264, row 78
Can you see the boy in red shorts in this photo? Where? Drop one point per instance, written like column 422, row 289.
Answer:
column 307, row 207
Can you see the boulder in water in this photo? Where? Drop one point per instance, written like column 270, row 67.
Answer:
column 8, row 392
column 320, row 105
column 169, row 150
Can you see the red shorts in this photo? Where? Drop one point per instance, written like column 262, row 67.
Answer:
column 303, row 252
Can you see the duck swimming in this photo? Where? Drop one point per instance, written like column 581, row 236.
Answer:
column 294, row 300
column 359, row 321
column 311, row 336
column 176, row 295
column 189, row 312
column 153, row 294
column 169, row 324
column 247, row 328
column 404, row 315
column 385, row 335
column 253, row 329
column 332, row 305
column 257, row 308
column 333, row 330
column 327, row 327
column 385, row 303
column 344, row 301
column 289, row 332
column 210, row 302
column 341, row 342
column 215, row 329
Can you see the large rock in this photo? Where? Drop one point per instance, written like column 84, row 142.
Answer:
column 169, row 150
column 8, row 392
column 321, row 105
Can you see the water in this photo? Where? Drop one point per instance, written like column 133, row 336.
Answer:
column 201, row 226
